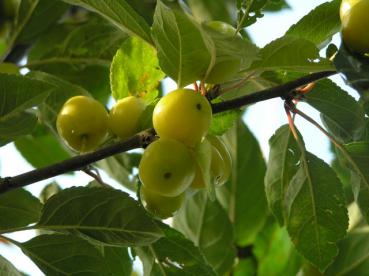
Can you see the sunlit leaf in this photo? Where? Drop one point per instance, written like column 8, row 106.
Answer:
column 174, row 33
column 291, row 54
column 135, row 69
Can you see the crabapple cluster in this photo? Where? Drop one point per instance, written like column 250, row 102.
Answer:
column 84, row 123
column 182, row 157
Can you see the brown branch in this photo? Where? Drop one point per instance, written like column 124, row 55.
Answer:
column 141, row 139
column 283, row 91
column 145, row 137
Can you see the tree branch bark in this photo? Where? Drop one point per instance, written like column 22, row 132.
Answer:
column 283, row 91
column 145, row 137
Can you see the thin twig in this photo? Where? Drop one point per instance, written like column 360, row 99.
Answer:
column 283, row 91
column 330, row 137
column 76, row 163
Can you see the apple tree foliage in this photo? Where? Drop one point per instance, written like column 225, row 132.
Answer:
column 282, row 215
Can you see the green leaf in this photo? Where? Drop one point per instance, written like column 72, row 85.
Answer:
column 6, row 268
column 232, row 54
column 41, row 148
column 10, row 28
column 135, row 69
column 118, row 261
column 79, row 53
column 184, row 51
column 18, row 208
column 291, row 54
column 60, row 92
column 282, row 165
column 316, row 213
column 207, row 10
column 359, row 164
column 276, row 5
column 46, row 14
column 173, row 255
column 275, row 252
column 64, row 255
column 120, row 13
column 354, row 67
column 19, row 93
column 94, row 42
column 319, row 25
column 106, row 215
column 221, row 122
column 206, row 224
column 244, row 195
column 353, row 257
column 15, row 126
column 341, row 114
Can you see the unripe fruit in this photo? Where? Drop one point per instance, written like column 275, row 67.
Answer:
column 183, row 115
column 355, row 24
column 125, row 115
column 221, row 160
column 167, row 167
column 160, row 206
column 82, row 123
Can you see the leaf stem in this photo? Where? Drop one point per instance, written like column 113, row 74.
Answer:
column 283, row 91
column 95, row 176
column 330, row 137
